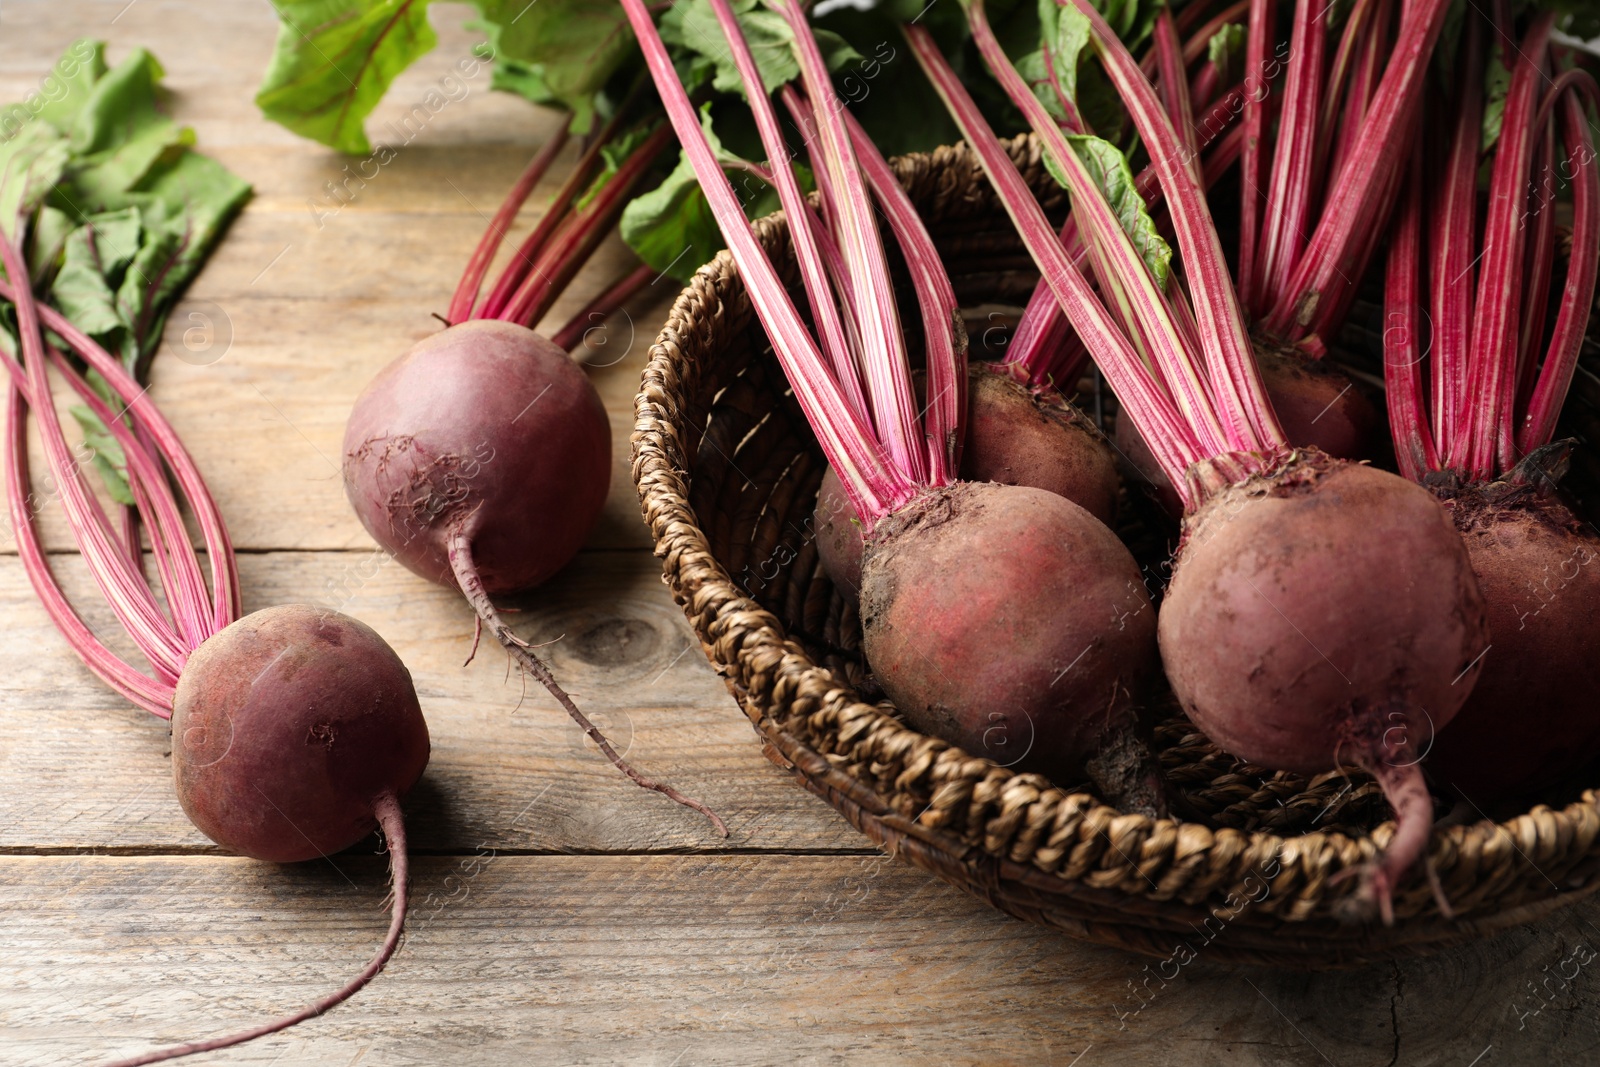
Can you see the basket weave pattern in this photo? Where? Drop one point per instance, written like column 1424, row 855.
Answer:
column 727, row 473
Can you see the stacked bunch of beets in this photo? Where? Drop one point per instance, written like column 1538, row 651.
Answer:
column 1322, row 612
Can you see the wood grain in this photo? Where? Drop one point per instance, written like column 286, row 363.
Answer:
column 706, row 960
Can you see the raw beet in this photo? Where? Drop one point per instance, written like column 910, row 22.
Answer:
column 1021, row 436
column 839, row 532
column 1531, row 719
column 1322, row 614
column 481, row 459
column 506, row 441
column 286, row 726
column 1325, row 585
column 1008, row 621
column 1015, row 436
column 1317, row 405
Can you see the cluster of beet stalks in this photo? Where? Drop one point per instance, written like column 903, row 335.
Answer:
column 1282, row 632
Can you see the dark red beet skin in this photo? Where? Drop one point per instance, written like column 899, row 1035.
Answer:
column 505, row 439
column 1015, row 436
column 1008, row 621
column 1533, row 716
column 1020, row 436
column 1317, row 405
column 1310, row 605
column 839, row 533
column 1326, row 614
column 286, row 726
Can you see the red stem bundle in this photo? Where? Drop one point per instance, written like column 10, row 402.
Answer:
column 156, row 462
column 1493, row 399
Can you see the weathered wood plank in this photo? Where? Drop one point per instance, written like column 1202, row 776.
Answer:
column 674, row 960
column 83, row 769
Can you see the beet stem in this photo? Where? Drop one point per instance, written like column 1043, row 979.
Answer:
column 466, row 294
column 472, row 588
column 387, row 808
column 603, row 306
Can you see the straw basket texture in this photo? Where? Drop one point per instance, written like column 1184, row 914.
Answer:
column 727, row 473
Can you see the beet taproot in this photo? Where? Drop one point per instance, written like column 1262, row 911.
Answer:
column 1326, row 613
column 1531, row 718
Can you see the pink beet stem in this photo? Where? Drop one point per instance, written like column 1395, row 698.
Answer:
column 1126, row 282
column 1252, row 187
column 1194, row 46
column 945, row 336
column 886, row 366
column 119, row 580
column 178, row 567
column 1492, row 356
column 1538, row 425
column 1239, row 399
column 1174, row 87
column 555, row 213
column 610, row 300
column 1366, row 34
column 1355, row 212
column 1539, row 262
column 1036, row 350
column 874, row 484
column 814, row 271
column 149, row 693
column 1402, row 336
column 1172, row 439
column 1292, row 185
column 847, row 373
column 466, row 294
column 1453, row 256
column 149, row 420
column 1484, row 329
column 1203, row 89
column 579, row 235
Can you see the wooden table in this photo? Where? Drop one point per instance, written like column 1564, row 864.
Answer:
column 561, row 915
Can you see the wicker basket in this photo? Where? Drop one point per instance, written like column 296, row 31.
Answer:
column 727, row 473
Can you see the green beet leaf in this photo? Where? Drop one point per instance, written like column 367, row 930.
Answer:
column 1109, row 169
column 574, row 45
column 31, row 162
column 1225, row 50
column 671, row 227
column 334, row 61
column 121, row 213
column 691, row 25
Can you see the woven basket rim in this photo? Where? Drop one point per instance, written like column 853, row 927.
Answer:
column 1105, row 874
